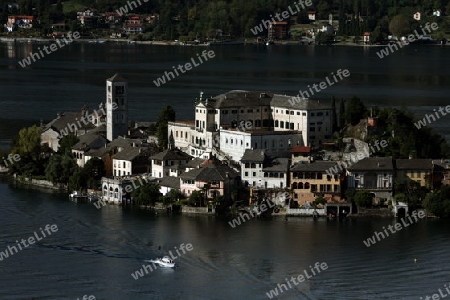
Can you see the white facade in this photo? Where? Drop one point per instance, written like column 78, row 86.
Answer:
column 315, row 125
column 234, row 142
column 116, row 107
column 122, row 167
column 239, row 112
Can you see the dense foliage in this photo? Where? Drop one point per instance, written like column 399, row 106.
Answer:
column 202, row 18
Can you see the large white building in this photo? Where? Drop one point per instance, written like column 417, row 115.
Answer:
column 245, row 117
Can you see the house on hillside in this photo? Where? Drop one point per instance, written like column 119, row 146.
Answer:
column 278, row 30
column 19, row 22
column 131, row 161
column 133, row 25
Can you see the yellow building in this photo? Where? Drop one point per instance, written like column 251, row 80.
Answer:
column 414, row 170
column 310, row 180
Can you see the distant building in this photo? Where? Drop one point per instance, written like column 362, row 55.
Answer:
column 366, row 37
column 278, row 30
column 437, row 12
column 133, row 25
column 19, row 22
column 131, row 161
column 312, row 15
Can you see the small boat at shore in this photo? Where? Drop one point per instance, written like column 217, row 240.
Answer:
column 164, row 262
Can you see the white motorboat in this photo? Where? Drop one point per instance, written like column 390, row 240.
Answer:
column 165, row 262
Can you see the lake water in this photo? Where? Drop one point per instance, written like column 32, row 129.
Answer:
column 95, row 251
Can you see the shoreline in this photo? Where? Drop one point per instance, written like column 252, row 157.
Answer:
column 173, row 43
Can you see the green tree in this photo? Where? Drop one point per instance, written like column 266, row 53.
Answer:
column 60, row 168
column 438, row 202
column 92, row 172
column 147, row 194
column 333, row 115
column 399, row 26
column 196, row 198
column 363, row 198
column 355, row 111
column 67, row 142
column 342, row 122
column 166, row 115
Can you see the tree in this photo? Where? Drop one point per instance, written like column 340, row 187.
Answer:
column 60, row 168
column 147, row 194
column 399, row 26
column 438, row 203
column 67, row 142
column 196, row 198
column 333, row 115
column 341, row 114
column 28, row 142
column 166, row 115
column 93, row 172
column 356, row 110
column 363, row 198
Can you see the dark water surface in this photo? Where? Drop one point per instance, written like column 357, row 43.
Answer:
column 95, row 251
column 416, row 76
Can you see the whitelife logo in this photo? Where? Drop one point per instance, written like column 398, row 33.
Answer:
column 428, row 117
column 31, row 240
column 398, row 226
column 317, row 266
column 53, row 47
column 284, row 15
column 391, row 48
column 320, row 87
column 188, row 66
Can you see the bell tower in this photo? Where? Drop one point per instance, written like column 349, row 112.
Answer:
column 116, row 107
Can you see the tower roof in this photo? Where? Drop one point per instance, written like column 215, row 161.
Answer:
column 117, row 78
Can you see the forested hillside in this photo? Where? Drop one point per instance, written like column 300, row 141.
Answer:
column 201, row 18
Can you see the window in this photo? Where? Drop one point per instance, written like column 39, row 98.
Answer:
column 304, row 114
column 320, row 114
column 276, row 123
column 312, row 129
column 246, row 174
column 292, row 126
column 242, row 111
column 281, row 124
column 234, row 111
column 176, row 133
column 254, row 174
column 298, row 113
column 312, row 114
column 249, row 110
column 247, row 165
column 292, row 112
column 124, row 165
column 287, row 111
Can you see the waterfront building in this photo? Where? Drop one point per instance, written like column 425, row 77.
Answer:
column 374, row 174
column 309, row 180
column 215, row 179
